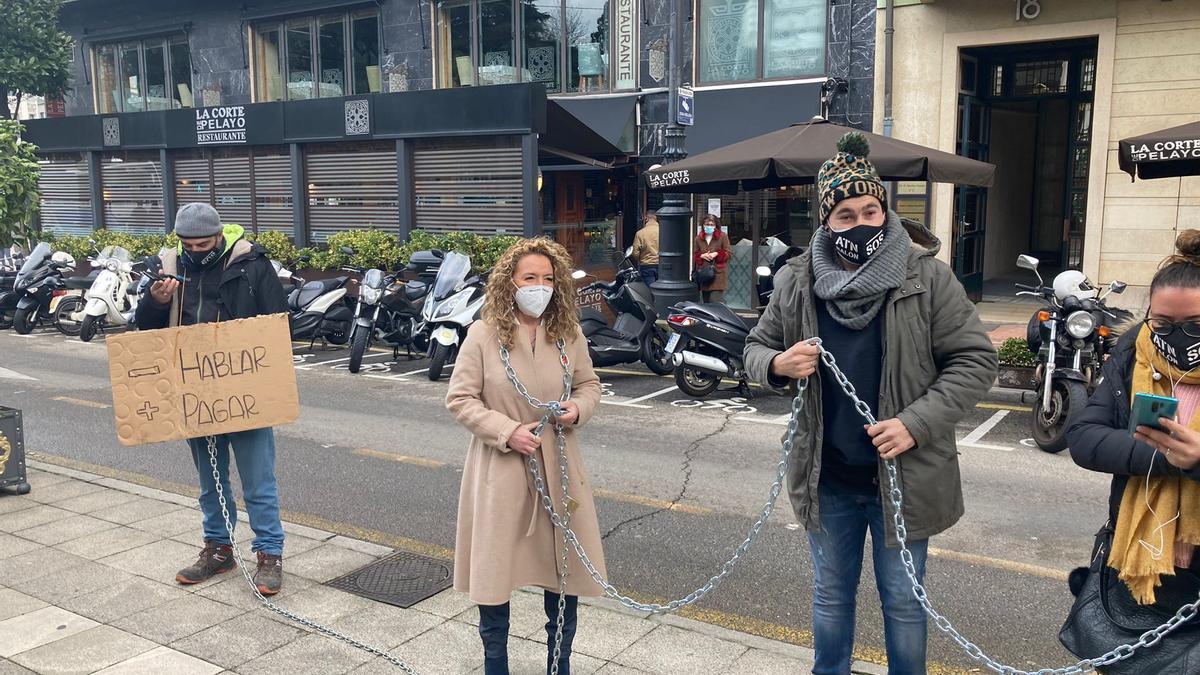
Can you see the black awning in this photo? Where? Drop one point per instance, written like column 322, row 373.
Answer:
column 725, row 116
column 1162, row 154
column 568, row 135
column 612, row 117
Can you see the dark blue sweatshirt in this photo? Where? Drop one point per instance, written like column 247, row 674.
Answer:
column 849, row 462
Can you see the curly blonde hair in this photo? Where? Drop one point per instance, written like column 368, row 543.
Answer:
column 561, row 317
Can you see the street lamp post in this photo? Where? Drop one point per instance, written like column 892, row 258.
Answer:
column 674, row 217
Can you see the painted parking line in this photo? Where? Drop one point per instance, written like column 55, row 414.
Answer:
column 14, row 375
column 393, row 457
column 310, row 366
column 656, row 394
column 781, row 420
column 81, row 402
column 651, row 502
column 1004, row 406
column 983, row 429
column 625, row 403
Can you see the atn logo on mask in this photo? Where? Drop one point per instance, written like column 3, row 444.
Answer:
column 846, row 247
column 1165, row 348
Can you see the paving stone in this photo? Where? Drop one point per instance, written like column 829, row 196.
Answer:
column 116, row 539
column 159, row 561
column 36, row 563
column 41, row 479
column 177, row 619
column 65, row 584
column 310, row 654
column 9, row 668
column 527, row 615
column 327, row 562
column 234, row 642
column 140, row 508
column 231, row 588
column 669, row 650
column 174, row 522
column 162, row 660
column 13, row 503
column 758, row 662
column 452, row 647
column 63, row 490
column 71, row 527
column 384, row 626
column 41, row 627
column 15, row 603
column 324, row 605
column 447, row 604
column 84, row 652
column 96, row 501
column 134, row 594
column 604, row 633
column 32, row 517
column 12, row 545
column 618, row 669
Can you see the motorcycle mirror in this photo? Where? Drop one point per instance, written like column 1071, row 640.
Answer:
column 1118, row 287
column 347, row 250
column 1027, row 262
column 304, row 258
column 578, row 274
column 763, row 271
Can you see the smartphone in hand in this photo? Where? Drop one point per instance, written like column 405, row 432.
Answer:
column 1148, row 409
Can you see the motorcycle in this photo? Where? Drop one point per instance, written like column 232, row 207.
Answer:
column 450, row 309
column 318, row 309
column 635, row 335
column 112, row 299
column 10, row 262
column 45, row 295
column 1071, row 335
column 388, row 310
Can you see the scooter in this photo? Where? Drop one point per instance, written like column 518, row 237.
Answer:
column 319, row 309
column 112, row 299
column 388, row 310
column 45, row 295
column 635, row 335
column 10, row 262
column 450, row 309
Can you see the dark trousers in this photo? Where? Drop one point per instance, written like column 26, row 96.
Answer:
column 493, row 629
column 649, row 273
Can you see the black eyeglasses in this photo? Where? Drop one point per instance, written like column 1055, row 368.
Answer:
column 1163, row 328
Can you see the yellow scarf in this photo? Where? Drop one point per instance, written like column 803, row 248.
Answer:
column 1137, row 564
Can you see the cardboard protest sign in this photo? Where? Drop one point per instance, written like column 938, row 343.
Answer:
column 203, row 380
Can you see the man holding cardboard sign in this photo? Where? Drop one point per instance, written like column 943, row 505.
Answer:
column 216, row 379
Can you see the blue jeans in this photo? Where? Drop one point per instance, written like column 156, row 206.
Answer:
column 837, row 552
column 649, row 273
column 254, row 452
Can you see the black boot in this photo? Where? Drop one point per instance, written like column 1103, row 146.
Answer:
column 570, row 619
column 493, row 629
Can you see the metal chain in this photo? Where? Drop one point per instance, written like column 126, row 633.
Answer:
column 237, row 554
column 1121, row 653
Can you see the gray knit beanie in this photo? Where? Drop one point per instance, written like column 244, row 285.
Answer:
column 197, row 221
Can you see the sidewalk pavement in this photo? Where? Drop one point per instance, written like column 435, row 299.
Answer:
column 87, row 567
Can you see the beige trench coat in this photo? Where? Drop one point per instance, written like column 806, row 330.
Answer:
column 505, row 538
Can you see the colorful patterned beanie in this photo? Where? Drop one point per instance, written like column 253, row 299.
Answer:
column 848, row 174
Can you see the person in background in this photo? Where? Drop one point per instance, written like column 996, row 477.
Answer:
column 645, row 249
column 712, row 248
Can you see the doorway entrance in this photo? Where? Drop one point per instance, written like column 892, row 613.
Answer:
column 1027, row 109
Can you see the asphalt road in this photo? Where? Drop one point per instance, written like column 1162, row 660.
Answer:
column 679, row 484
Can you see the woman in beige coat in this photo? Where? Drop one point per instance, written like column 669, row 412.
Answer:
column 505, row 537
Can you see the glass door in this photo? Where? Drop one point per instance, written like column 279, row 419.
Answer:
column 970, row 203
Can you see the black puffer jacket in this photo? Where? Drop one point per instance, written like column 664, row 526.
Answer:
column 1099, row 438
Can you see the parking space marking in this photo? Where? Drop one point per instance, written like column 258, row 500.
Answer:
column 393, row 457
column 782, row 420
column 310, row 366
column 81, row 401
column 14, row 375
column 626, row 404
column 1004, row 406
column 980, row 431
column 651, row 502
column 656, row 394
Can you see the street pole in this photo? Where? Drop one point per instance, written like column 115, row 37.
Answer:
column 675, row 216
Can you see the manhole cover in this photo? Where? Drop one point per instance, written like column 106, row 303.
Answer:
column 400, row 579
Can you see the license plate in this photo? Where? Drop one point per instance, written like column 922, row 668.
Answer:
column 54, row 302
column 672, row 342
column 444, row 334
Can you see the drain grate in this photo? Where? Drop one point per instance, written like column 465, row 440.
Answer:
column 400, row 579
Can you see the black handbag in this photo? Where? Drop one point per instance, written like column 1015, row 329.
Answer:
column 704, row 274
column 1105, row 616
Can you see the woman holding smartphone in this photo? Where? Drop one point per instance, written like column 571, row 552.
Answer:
column 1154, row 505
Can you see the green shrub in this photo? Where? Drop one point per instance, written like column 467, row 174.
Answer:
column 278, row 246
column 372, row 249
column 1015, row 352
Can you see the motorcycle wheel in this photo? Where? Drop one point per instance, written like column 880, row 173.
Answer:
column 6, row 319
column 441, row 355
column 1050, row 425
column 24, row 321
column 655, row 355
column 88, row 327
column 358, row 347
column 62, row 315
column 695, row 383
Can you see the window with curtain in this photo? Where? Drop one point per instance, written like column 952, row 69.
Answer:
column 147, row 74
column 317, row 57
column 563, row 44
column 743, row 40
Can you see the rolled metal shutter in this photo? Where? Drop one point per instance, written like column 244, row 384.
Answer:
column 468, row 189
column 273, row 194
column 192, row 181
column 65, row 197
column 351, row 191
column 231, row 190
column 133, row 196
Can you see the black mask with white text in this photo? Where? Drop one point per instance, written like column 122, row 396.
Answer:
column 857, row 244
column 1179, row 349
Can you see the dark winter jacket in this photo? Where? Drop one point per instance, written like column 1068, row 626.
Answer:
column 1099, row 435
column 247, row 287
column 938, row 362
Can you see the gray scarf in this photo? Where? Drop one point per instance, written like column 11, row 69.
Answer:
column 854, row 298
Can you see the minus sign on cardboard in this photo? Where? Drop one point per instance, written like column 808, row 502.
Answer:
column 144, row 372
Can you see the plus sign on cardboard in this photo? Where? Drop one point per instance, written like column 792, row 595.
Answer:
column 203, row 380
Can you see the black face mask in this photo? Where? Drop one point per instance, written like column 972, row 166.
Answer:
column 857, row 244
column 199, row 261
column 1179, row 349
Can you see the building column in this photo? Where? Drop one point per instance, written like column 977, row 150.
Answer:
column 299, row 198
column 167, row 169
column 405, row 188
column 531, row 215
column 96, row 189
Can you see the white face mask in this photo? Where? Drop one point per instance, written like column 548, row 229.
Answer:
column 533, row 300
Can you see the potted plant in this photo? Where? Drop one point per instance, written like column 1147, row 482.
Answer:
column 1017, row 364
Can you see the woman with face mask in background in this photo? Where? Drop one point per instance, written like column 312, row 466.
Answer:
column 505, row 538
column 712, row 248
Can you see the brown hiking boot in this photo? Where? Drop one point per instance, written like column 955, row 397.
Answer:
column 214, row 559
column 269, row 575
